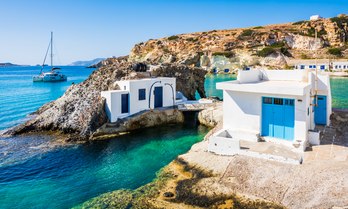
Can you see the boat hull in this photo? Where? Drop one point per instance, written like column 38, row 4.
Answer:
column 49, row 78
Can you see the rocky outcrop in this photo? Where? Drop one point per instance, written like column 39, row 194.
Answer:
column 212, row 115
column 80, row 111
column 141, row 120
column 240, row 47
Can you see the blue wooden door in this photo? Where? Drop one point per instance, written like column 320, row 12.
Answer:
column 320, row 111
column 278, row 118
column 267, row 116
column 124, row 103
column 158, row 96
column 289, row 119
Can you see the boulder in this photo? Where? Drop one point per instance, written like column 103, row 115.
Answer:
column 212, row 115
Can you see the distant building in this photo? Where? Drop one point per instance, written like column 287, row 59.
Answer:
column 322, row 64
column 138, row 95
column 272, row 105
column 315, row 17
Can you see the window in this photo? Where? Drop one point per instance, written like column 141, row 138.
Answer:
column 278, row 101
column 302, row 67
column 310, row 66
column 322, row 67
column 267, row 100
column 289, row 102
column 142, row 94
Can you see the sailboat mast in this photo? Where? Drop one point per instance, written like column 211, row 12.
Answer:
column 51, row 49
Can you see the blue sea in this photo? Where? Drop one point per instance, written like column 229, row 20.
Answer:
column 37, row 173
column 19, row 96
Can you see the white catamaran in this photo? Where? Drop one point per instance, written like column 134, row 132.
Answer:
column 54, row 74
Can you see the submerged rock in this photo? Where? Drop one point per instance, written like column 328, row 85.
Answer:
column 80, row 111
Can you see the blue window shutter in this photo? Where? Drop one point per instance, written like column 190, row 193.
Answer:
column 142, row 94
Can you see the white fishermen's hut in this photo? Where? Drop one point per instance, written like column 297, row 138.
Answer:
column 281, row 106
column 138, row 95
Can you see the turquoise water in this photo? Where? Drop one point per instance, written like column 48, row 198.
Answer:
column 19, row 96
column 36, row 174
column 339, row 92
column 65, row 177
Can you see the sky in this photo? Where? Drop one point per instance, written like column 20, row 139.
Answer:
column 88, row 29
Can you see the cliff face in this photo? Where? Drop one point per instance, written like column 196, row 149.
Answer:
column 80, row 111
column 270, row 45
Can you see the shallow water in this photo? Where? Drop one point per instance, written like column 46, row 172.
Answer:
column 65, row 177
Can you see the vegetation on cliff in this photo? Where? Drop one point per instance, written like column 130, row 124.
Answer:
column 249, row 46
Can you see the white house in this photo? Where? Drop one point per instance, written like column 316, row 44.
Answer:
column 315, row 17
column 138, row 95
column 339, row 65
column 272, row 105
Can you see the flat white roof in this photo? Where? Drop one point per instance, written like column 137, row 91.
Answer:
column 294, row 88
column 149, row 79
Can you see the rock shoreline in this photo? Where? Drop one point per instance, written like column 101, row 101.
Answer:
column 80, row 112
column 199, row 179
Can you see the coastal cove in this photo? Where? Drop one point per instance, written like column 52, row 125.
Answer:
column 32, row 173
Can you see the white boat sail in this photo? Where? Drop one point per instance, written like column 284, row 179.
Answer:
column 54, row 74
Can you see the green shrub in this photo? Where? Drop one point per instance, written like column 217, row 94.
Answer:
column 265, row 52
column 311, row 33
column 165, row 50
column 339, row 20
column 300, row 22
column 335, row 51
column 258, row 27
column 171, row 38
column 304, row 56
column 192, row 39
column 247, row 32
column 285, row 51
column 227, row 54
column 278, row 44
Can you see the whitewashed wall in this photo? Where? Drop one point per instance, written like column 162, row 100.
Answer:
column 113, row 98
column 242, row 111
column 113, row 104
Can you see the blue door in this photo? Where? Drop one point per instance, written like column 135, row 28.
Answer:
column 289, row 118
column 158, row 97
column 267, row 116
column 124, row 103
column 320, row 111
column 278, row 118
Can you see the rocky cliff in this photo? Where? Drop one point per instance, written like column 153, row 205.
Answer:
column 80, row 111
column 271, row 45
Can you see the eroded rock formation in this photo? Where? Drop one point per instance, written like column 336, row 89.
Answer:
column 242, row 46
